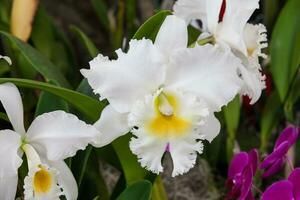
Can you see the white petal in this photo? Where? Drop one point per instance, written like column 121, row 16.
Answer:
column 66, row 180
column 184, row 154
column 207, row 71
column 44, row 186
column 7, row 59
column 10, row 161
column 190, row 10
column 213, row 9
column 255, row 37
column 12, row 102
column 211, row 128
column 172, row 35
column 130, row 77
column 59, row 135
column 205, row 10
column 8, row 187
column 150, row 145
column 149, row 150
column 235, row 18
column 112, row 125
column 254, row 81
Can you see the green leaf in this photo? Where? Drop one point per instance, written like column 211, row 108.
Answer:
column 269, row 119
column 132, row 169
column 4, row 117
column 232, row 118
column 138, row 191
column 151, row 27
column 285, row 47
column 87, row 43
column 38, row 61
column 101, row 10
column 158, row 191
column 48, row 102
column 88, row 106
column 292, row 99
column 91, row 181
column 270, row 9
column 48, row 39
column 4, row 67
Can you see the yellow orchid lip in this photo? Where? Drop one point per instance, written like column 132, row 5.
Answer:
column 42, row 181
column 166, row 124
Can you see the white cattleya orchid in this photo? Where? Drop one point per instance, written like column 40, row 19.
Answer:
column 51, row 138
column 165, row 94
column 226, row 21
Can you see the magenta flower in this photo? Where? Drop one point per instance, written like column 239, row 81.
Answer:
column 274, row 162
column 286, row 189
column 242, row 168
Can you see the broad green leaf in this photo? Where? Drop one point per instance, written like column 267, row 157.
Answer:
column 48, row 102
column 87, row 43
column 5, row 9
column 48, row 39
column 158, row 191
column 193, row 35
column 38, row 61
column 269, row 119
column 91, row 182
column 151, row 27
column 285, row 47
column 138, row 191
column 4, row 67
column 88, row 106
column 101, row 10
column 270, row 9
column 131, row 168
column 292, row 99
column 232, row 118
column 131, row 16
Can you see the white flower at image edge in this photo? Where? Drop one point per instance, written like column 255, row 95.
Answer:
column 229, row 26
column 165, row 94
column 7, row 59
column 51, row 138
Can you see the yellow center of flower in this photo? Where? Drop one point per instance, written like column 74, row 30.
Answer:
column 42, row 181
column 166, row 122
column 250, row 51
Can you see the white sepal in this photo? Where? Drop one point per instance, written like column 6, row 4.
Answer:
column 134, row 74
column 172, row 35
column 112, row 125
column 12, row 102
column 10, row 161
column 8, row 187
column 59, row 135
column 65, row 179
column 208, row 72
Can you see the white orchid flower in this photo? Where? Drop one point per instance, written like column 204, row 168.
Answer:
column 226, row 21
column 166, row 94
column 50, row 139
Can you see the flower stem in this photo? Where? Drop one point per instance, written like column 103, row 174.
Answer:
column 290, row 163
column 257, row 189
